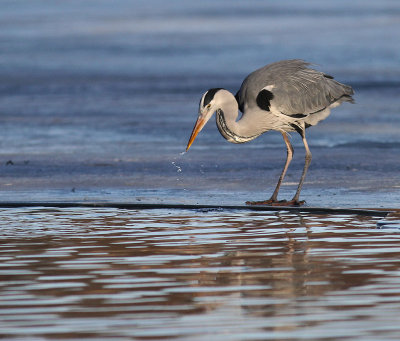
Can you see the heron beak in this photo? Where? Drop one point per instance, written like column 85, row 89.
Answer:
column 200, row 123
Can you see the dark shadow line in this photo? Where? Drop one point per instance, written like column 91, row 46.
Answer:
column 142, row 206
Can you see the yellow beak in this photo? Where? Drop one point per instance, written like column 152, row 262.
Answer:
column 200, row 123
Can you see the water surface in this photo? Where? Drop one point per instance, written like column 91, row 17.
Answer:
column 113, row 274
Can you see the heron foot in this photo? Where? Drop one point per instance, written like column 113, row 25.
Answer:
column 269, row 202
column 295, row 203
column 272, row 202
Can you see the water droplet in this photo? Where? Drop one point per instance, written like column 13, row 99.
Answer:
column 178, row 168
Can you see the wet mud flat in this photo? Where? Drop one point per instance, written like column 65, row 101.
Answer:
column 356, row 176
column 113, row 138
column 117, row 274
column 128, row 153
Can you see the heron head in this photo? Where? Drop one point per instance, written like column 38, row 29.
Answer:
column 208, row 105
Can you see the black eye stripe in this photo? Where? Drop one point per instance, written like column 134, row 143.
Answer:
column 210, row 95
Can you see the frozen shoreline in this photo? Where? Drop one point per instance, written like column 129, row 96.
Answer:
column 101, row 112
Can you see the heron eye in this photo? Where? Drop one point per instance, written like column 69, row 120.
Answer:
column 208, row 106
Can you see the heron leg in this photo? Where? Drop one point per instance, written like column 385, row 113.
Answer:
column 274, row 198
column 295, row 200
column 289, row 157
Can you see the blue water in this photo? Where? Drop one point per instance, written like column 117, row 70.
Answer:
column 109, row 274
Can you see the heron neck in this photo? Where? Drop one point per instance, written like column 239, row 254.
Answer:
column 232, row 130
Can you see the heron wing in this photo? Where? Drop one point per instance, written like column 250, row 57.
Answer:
column 292, row 88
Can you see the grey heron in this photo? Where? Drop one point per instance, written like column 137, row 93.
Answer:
column 285, row 96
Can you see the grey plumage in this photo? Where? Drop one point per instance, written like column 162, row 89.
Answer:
column 284, row 96
column 297, row 89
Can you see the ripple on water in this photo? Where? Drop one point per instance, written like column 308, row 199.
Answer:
column 191, row 274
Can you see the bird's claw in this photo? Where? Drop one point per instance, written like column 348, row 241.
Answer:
column 272, row 202
column 269, row 202
column 295, row 203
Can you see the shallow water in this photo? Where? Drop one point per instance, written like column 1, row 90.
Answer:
column 112, row 274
